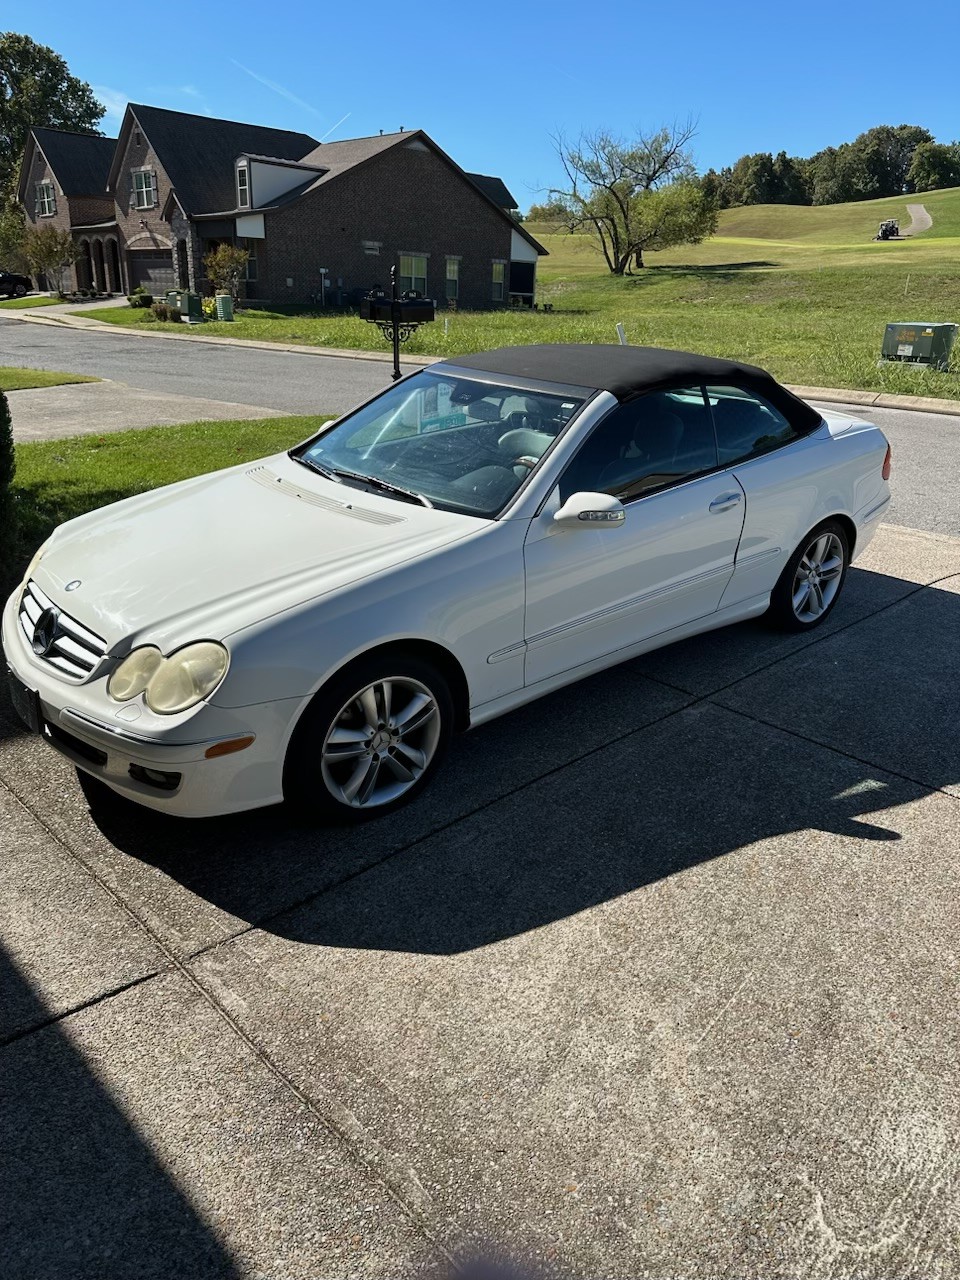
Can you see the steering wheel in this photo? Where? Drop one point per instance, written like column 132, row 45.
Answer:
column 525, row 461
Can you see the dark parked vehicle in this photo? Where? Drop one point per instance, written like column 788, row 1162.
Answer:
column 14, row 286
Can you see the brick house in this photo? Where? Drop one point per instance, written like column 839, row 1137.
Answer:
column 321, row 222
column 63, row 183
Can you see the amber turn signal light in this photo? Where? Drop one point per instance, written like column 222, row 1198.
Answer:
column 229, row 746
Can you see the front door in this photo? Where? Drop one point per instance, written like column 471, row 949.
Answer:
column 596, row 590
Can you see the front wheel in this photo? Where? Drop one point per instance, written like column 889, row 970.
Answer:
column 812, row 579
column 370, row 741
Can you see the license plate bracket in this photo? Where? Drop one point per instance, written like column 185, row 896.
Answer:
column 26, row 702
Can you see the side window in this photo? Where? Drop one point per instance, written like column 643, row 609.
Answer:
column 746, row 425
column 648, row 444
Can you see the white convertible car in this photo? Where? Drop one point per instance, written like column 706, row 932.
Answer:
column 314, row 627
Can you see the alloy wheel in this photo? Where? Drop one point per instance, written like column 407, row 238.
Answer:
column 380, row 742
column 818, row 576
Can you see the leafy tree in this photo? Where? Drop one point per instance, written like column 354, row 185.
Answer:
column 885, row 154
column 679, row 213
column 935, row 165
column 838, row 175
column 716, row 187
column 610, row 181
column 12, row 230
column 789, row 181
column 36, row 88
column 557, row 211
column 49, row 252
column 8, row 524
column 226, row 266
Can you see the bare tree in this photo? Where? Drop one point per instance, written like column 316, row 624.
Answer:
column 610, row 183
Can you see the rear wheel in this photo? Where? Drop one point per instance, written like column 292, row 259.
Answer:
column 20, row 291
column 812, row 579
column 371, row 740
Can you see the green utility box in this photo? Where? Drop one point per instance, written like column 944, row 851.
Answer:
column 191, row 307
column 918, row 343
column 172, row 298
column 224, row 306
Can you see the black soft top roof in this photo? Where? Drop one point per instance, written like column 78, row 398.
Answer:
column 629, row 371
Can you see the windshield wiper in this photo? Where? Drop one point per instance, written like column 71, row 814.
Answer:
column 386, row 485
column 339, row 474
column 328, row 473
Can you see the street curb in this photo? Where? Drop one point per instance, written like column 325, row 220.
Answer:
column 828, row 395
column 878, row 400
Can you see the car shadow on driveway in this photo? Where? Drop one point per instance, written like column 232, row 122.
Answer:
column 609, row 785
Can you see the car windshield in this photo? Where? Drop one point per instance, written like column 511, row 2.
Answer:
column 444, row 440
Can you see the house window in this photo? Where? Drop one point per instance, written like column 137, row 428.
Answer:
column 46, row 199
column 144, row 188
column 413, row 272
column 453, row 279
column 251, row 272
column 372, row 247
column 243, row 187
column 499, row 279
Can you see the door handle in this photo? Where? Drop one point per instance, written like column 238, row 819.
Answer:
column 725, row 502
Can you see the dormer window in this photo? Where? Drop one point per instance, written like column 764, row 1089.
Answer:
column 243, row 187
column 46, row 200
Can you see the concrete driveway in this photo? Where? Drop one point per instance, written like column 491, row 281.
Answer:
column 661, row 980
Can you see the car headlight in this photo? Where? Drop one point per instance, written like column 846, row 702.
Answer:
column 170, row 684
column 134, row 672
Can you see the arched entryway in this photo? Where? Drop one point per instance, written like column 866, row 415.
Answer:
column 114, row 278
column 99, row 267
column 84, row 267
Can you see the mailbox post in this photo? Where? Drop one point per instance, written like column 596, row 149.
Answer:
column 396, row 317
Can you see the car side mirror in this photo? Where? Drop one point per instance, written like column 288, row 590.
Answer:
column 590, row 511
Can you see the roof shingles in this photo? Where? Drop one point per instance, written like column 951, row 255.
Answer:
column 80, row 161
column 198, row 152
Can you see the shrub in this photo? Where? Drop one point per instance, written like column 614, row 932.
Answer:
column 8, row 523
column 163, row 311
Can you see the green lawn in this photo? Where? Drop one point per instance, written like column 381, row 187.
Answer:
column 24, row 379
column 56, row 480
column 804, row 292
column 18, row 304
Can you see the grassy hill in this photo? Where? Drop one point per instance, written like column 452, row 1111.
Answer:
column 804, row 291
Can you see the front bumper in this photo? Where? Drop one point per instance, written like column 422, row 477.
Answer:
column 164, row 767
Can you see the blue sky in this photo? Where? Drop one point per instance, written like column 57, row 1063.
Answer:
column 491, row 82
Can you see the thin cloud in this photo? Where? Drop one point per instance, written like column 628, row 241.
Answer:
column 170, row 92
column 277, row 88
column 114, row 100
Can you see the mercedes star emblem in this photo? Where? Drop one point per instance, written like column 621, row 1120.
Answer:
column 45, row 632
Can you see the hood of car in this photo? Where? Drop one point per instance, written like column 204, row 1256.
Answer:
column 203, row 558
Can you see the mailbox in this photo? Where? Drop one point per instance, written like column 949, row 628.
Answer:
column 397, row 315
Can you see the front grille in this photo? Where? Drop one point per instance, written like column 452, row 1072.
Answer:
column 70, row 647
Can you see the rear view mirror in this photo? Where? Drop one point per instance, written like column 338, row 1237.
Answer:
column 590, row 511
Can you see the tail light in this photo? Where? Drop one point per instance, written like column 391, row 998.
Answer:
column 886, row 463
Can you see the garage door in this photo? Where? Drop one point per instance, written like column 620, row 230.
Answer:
column 153, row 270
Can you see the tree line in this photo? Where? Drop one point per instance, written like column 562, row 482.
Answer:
column 888, row 160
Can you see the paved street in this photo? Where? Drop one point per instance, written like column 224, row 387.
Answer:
column 279, row 380
column 926, row 446
column 660, row 980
